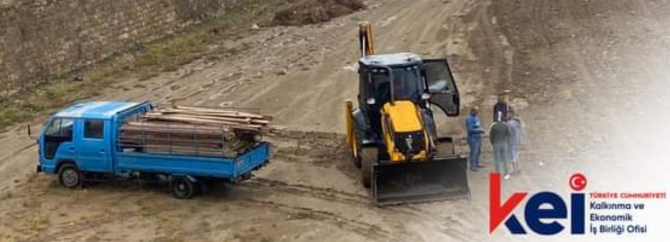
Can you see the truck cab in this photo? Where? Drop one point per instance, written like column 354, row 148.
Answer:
column 83, row 135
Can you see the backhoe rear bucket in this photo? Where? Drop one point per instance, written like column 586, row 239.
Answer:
column 412, row 182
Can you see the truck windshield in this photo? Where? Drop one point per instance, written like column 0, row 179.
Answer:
column 406, row 83
column 60, row 127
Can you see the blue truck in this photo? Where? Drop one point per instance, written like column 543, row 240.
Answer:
column 82, row 143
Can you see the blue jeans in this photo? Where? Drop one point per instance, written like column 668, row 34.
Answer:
column 501, row 154
column 475, row 144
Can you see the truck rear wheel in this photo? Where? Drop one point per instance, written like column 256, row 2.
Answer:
column 368, row 159
column 182, row 187
column 69, row 176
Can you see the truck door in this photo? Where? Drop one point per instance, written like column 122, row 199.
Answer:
column 93, row 140
column 442, row 87
column 57, row 143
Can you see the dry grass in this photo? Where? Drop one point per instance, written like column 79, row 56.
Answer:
column 174, row 52
column 166, row 55
column 315, row 11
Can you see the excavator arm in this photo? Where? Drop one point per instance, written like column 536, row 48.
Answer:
column 366, row 43
column 366, row 40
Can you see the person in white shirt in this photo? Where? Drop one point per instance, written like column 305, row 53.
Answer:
column 516, row 127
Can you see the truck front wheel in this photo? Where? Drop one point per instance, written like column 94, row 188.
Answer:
column 182, row 187
column 69, row 176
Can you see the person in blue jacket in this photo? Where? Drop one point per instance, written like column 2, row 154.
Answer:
column 474, row 126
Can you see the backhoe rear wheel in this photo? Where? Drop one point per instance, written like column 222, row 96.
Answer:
column 368, row 159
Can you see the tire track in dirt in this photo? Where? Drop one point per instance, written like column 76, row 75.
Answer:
column 371, row 231
column 336, row 196
column 327, row 194
column 15, row 153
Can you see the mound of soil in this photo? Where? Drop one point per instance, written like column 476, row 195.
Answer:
column 315, row 11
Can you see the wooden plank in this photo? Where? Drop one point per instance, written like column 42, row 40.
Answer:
column 234, row 145
column 236, row 120
column 206, row 122
column 230, row 151
column 184, row 136
column 216, row 114
column 260, row 121
column 181, row 142
column 178, row 135
column 175, row 126
column 218, row 111
column 166, row 129
column 132, row 130
column 190, row 129
column 200, row 118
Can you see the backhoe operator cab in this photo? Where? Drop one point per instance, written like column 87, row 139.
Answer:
column 403, row 77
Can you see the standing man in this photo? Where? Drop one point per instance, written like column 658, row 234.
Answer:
column 501, row 108
column 474, row 126
column 500, row 135
column 516, row 127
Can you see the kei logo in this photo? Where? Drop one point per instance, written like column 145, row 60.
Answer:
column 539, row 218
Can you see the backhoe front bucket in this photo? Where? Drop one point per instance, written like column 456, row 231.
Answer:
column 412, row 182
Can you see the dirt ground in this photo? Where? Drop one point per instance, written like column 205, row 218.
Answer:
column 588, row 77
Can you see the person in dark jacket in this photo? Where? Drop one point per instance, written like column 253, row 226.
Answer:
column 502, row 107
column 500, row 136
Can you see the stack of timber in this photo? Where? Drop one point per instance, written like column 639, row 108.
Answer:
column 196, row 131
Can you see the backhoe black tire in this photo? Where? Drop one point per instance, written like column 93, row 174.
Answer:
column 182, row 187
column 69, row 176
column 368, row 159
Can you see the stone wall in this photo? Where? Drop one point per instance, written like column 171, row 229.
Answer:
column 40, row 39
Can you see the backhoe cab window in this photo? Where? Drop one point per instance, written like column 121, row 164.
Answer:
column 406, row 83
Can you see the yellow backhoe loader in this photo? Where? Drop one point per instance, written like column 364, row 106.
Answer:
column 392, row 134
